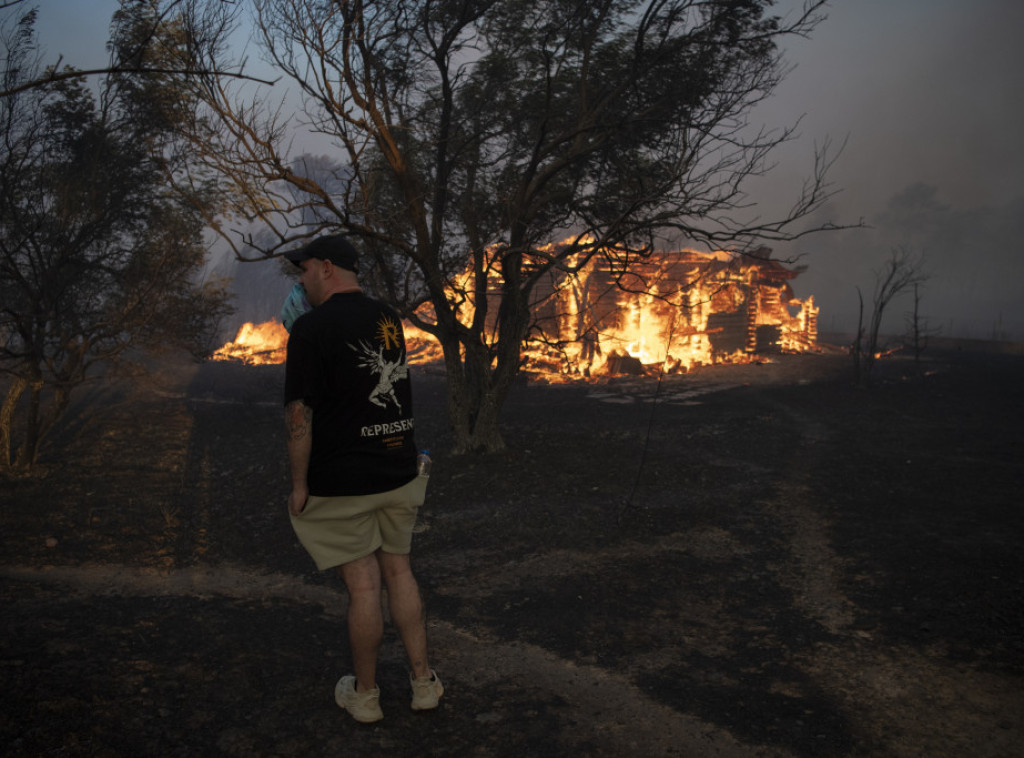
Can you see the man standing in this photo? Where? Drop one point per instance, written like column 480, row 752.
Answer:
column 355, row 492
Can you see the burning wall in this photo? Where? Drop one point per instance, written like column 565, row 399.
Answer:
column 674, row 311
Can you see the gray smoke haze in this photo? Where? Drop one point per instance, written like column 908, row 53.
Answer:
column 927, row 94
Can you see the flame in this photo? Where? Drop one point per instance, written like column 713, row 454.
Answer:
column 673, row 312
column 670, row 312
column 256, row 344
column 267, row 343
column 421, row 347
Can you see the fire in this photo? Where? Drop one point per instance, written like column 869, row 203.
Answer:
column 256, row 344
column 672, row 312
column 421, row 347
column 267, row 343
column 677, row 310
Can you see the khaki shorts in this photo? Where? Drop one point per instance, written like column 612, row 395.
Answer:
column 337, row 530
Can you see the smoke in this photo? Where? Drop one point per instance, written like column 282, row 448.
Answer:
column 259, row 289
column 971, row 259
column 926, row 96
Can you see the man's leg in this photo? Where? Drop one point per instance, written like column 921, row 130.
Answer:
column 406, row 609
column 365, row 618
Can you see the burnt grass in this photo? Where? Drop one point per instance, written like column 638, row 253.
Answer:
column 745, row 560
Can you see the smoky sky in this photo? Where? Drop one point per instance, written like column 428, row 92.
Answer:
column 926, row 96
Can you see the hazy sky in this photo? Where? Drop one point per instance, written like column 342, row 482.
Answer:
column 928, row 95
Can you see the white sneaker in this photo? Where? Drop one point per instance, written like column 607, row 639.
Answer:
column 364, row 707
column 425, row 691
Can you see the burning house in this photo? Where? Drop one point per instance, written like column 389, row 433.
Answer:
column 674, row 310
column 671, row 311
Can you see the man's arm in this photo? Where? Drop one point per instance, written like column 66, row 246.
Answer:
column 298, row 418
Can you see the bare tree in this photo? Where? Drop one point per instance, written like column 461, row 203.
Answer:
column 902, row 271
column 475, row 133
column 919, row 330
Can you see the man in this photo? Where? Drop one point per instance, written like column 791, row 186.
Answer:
column 355, row 492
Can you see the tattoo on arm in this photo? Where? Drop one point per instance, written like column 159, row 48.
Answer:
column 298, row 419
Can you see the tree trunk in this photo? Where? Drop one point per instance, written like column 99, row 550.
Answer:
column 858, row 344
column 14, row 393
column 917, row 327
column 475, row 396
column 28, row 454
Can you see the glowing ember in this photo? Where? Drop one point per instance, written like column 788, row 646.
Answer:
column 256, row 344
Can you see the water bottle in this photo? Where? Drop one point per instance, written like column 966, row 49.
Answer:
column 423, row 463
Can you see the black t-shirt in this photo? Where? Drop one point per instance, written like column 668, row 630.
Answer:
column 347, row 362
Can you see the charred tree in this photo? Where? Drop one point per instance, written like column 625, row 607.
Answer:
column 900, row 273
column 919, row 332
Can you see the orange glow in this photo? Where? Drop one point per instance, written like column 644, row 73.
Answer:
column 671, row 312
column 421, row 347
column 256, row 344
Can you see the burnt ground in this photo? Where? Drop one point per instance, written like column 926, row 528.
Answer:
column 744, row 561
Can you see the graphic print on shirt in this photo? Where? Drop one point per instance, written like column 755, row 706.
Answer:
column 387, row 372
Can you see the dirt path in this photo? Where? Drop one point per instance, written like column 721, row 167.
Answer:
column 612, row 705
column 813, row 569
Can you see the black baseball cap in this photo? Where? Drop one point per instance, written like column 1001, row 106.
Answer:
column 332, row 247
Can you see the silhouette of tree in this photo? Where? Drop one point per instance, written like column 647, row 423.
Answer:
column 57, row 73
column 98, row 260
column 901, row 272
